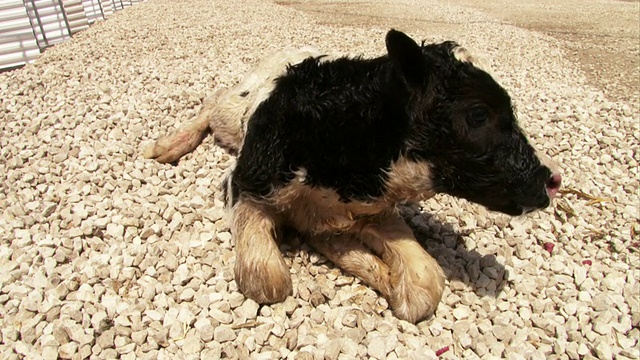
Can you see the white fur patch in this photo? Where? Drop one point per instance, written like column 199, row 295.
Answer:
column 301, row 175
column 231, row 108
column 463, row 54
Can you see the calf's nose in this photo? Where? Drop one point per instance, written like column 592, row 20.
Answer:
column 553, row 184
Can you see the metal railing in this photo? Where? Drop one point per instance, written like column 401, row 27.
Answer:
column 28, row 27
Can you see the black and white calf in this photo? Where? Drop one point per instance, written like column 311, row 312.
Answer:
column 330, row 146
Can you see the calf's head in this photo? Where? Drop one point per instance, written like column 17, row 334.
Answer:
column 464, row 126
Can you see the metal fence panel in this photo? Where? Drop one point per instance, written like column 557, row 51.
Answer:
column 93, row 10
column 76, row 17
column 27, row 27
column 17, row 42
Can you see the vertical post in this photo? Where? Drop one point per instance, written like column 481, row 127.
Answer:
column 64, row 16
column 101, row 9
column 37, row 16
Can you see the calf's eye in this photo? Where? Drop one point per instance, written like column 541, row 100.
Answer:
column 477, row 116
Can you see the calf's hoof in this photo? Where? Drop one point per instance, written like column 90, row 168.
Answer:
column 415, row 296
column 171, row 148
column 265, row 281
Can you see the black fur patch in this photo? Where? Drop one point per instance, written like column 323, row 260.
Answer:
column 343, row 121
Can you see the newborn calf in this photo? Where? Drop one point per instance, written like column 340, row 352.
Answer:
column 330, row 146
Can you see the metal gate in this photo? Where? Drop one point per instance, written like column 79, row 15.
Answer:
column 28, row 27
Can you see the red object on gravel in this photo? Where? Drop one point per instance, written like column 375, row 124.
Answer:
column 442, row 351
column 549, row 247
column 587, row 262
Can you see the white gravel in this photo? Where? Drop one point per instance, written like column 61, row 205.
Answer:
column 104, row 254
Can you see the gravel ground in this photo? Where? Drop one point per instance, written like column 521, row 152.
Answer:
column 104, row 254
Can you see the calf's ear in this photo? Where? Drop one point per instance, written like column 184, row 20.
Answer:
column 406, row 56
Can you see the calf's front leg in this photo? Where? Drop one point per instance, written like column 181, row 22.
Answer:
column 260, row 270
column 416, row 278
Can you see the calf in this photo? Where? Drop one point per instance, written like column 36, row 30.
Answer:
column 330, row 146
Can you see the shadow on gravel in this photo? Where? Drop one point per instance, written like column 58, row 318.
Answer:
column 463, row 267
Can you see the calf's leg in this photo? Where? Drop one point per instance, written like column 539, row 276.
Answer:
column 260, row 270
column 416, row 279
column 172, row 147
column 224, row 113
column 348, row 253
